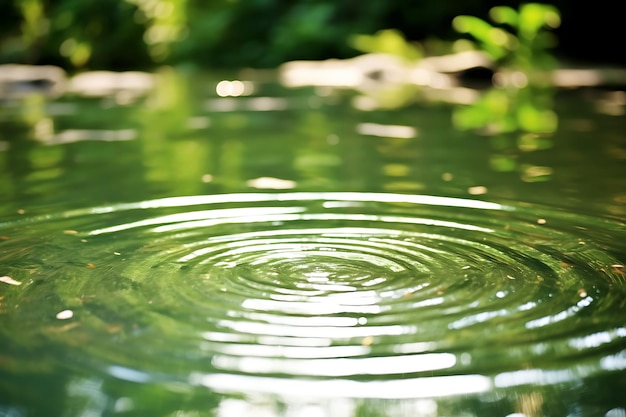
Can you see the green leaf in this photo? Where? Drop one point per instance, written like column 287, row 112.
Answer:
column 534, row 16
column 504, row 15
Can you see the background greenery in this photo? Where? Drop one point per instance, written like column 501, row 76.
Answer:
column 131, row 34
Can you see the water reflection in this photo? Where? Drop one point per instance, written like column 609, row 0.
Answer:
column 100, row 397
column 248, row 104
column 335, row 388
column 234, row 88
column 503, row 109
column 75, row 135
column 390, row 131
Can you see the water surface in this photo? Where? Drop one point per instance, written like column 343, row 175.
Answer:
column 288, row 253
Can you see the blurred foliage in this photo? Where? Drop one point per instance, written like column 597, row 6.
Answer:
column 389, row 41
column 525, row 45
column 165, row 22
column 124, row 34
column 503, row 110
column 132, row 34
column 520, row 99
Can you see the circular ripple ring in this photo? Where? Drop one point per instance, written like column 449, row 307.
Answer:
column 306, row 286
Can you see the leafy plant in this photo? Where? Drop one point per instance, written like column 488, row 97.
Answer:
column 522, row 42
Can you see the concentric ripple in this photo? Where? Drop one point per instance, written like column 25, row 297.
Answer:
column 349, row 294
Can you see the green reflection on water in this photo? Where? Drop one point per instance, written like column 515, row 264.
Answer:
column 64, row 157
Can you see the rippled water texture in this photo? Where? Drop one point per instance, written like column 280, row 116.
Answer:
column 360, row 295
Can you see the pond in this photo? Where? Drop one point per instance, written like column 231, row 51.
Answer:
column 177, row 244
